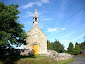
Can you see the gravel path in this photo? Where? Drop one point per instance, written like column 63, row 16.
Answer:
column 78, row 60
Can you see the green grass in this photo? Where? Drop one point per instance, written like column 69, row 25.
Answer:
column 65, row 61
column 36, row 59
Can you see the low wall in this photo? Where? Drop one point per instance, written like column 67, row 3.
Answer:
column 58, row 56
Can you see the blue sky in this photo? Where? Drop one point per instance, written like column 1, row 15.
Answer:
column 63, row 20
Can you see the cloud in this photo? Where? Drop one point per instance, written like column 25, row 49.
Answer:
column 28, row 5
column 45, row 1
column 63, row 28
column 41, row 16
column 37, row 3
column 78, row 37
column 66, row 42
column 51, row 29
column 69, row 35
column 58, row 29
column 28, row 14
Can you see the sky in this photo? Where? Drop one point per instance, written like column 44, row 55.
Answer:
column 63, row 20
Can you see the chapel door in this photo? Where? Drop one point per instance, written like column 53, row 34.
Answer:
column 35, row 49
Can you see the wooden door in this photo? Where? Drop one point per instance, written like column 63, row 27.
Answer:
column 35, row 49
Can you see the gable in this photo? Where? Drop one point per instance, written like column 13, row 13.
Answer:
column 35, row 30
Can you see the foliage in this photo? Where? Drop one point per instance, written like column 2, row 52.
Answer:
column 82, row 45
column 77, row 49
column 74, row 50
column 70, row 48
column 57, row 46
column 10, row 29
column 48, row 44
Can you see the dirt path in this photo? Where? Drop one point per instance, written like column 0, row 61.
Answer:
column 78, row 60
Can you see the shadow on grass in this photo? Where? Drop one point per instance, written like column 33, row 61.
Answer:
column 12, row 59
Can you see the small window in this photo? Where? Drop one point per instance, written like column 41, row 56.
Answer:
column 35, row 19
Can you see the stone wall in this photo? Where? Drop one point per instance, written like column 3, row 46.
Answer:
column 58, row 56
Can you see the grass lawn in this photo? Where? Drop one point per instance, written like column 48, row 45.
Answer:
column 33, row 60
column 65, row 61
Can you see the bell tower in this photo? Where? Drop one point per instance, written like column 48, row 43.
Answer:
column 35, row 19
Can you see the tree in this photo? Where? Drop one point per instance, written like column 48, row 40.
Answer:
column 48, row 45
column 70, row 48
column 10, row 29
column 82, row 45
column 77, row 49
column 57, row 46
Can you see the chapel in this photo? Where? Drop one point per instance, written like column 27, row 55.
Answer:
column 36, row 40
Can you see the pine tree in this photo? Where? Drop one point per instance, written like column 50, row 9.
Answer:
column 70, row 48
